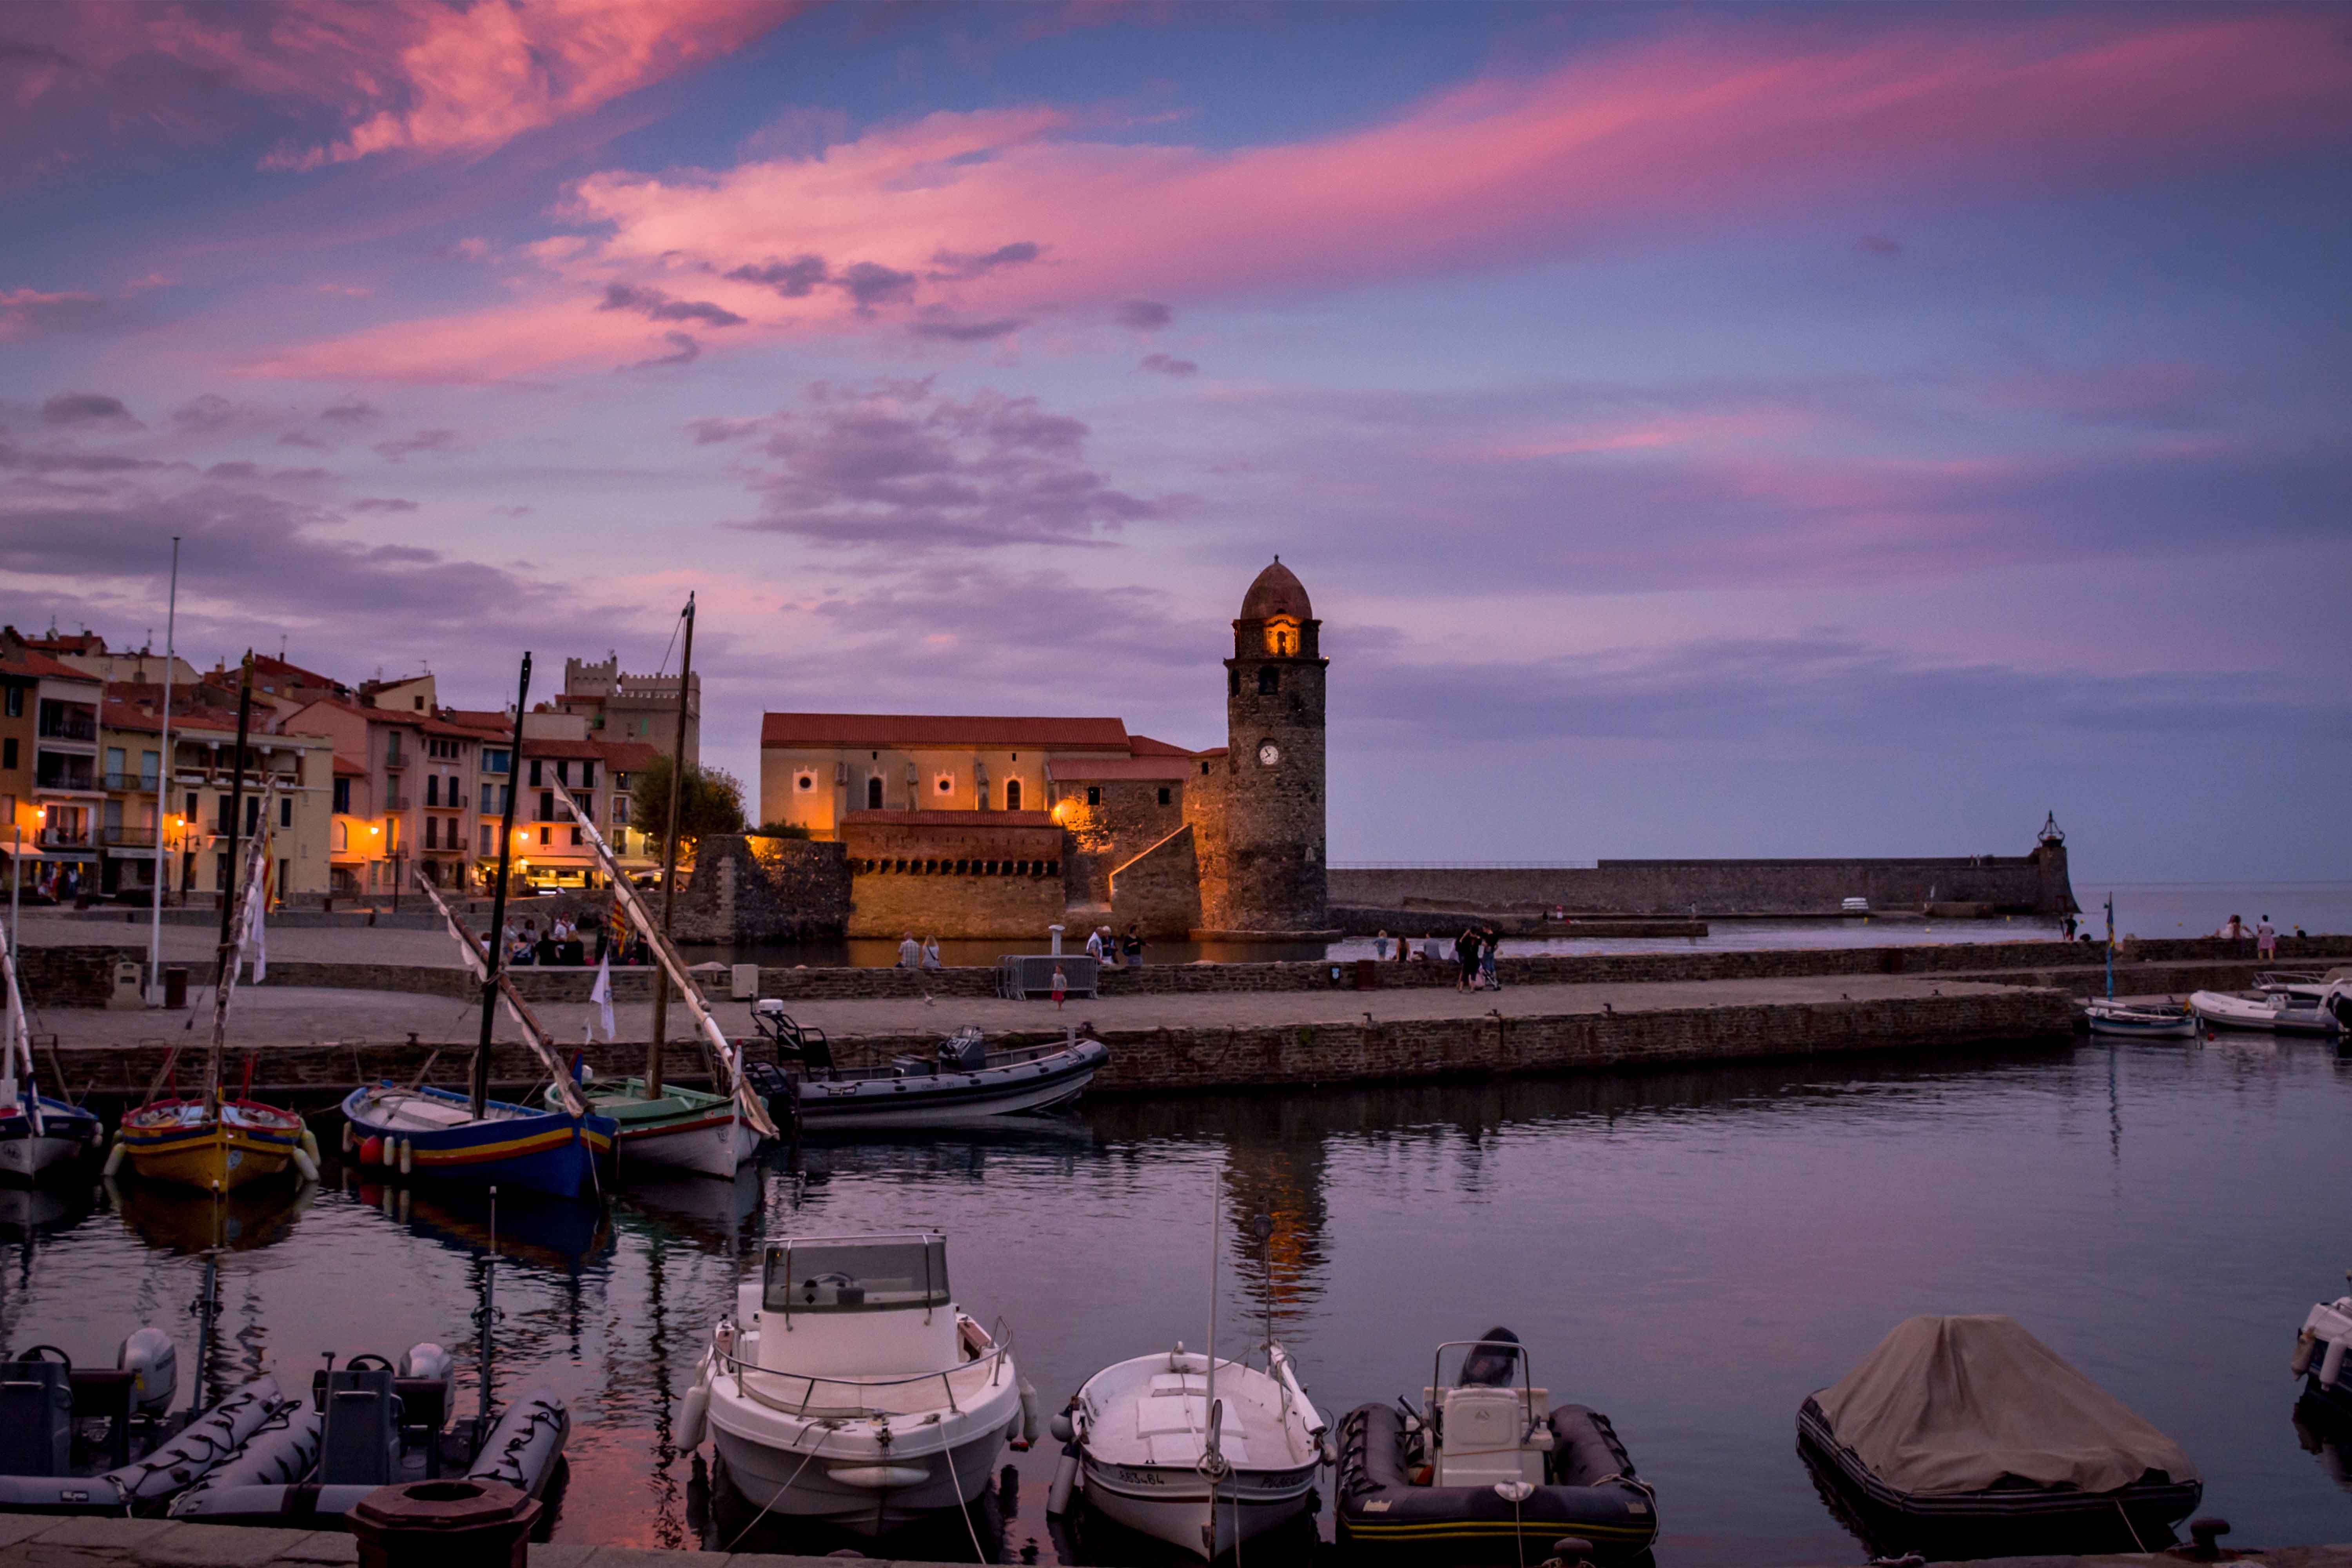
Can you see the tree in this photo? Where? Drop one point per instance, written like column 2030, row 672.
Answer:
column 712, row 802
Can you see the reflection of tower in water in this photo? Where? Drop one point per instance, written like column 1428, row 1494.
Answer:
column 1283, row 1180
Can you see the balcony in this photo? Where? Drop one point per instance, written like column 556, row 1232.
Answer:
column 55, row 770
column 128, row 838
column 61, row 723
column 65, row 838
column 395, row 760
column 398, row 802
column 121, row 780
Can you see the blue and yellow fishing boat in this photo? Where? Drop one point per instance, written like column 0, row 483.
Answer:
column 433, row 1132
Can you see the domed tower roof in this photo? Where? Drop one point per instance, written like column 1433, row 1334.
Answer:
column 1277, row 592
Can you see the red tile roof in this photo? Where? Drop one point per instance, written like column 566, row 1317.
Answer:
column 265, row 665
column 623, row 756
column 970, row 819
column 1117, row 770
column 918, row 731
column 1145, row 746
column 347, row 769
column 33, row 663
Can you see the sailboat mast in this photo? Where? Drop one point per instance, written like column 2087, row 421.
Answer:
column 669, row 859
column 228, row 944
column 163, row 788
column 2111, row 947
column 1209, row 1402
column 481, row 1077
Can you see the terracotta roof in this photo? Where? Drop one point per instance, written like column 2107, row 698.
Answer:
column 1277, row 592
column 623, row 756
column 535, row 749
column 489, row 719
column 915, row 732
column 79, row 642
column 29, row 661
column 347, row 769
column 948, row 819
column 1114, row 770
column 1145, row 746
column 265, row 665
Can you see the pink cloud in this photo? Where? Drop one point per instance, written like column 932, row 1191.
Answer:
column 1701, row 129
column 416, row 76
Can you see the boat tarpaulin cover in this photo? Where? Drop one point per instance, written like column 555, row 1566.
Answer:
column 1954, row 1404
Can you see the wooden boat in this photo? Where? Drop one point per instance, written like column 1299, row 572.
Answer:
column 1493, row 1474
column 37, row 1133
column 2147, row 1020
column 208, row 1141
column 1965, row 1438
column 964, row 1081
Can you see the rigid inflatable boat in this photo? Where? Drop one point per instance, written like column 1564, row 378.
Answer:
column 104, row 1441
column 1964, row 1437
column 368, row 1425
column 1492, row 1475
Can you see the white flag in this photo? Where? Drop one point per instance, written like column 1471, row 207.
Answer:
column 260, row 938
column 603, row 993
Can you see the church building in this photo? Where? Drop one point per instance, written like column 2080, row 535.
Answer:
column 976, row 827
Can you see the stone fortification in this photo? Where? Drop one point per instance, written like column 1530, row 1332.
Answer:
column 957, row 874
column 749, row 889
column 1160, row 889
column 2035, row 883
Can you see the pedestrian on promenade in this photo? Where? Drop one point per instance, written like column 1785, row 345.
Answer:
column 1489, row 946
column 1130, row 947
column 547, row 954
column 931, row 952
column 1061, row 987
column 2066, row 924
column 911, row 956
column 2266, row 940
column 1465, row 959
column 1095, row 943
column 1380, row 945
column 570, row 949
column 641, row 950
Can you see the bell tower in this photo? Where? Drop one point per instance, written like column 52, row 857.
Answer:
column 1265, row 869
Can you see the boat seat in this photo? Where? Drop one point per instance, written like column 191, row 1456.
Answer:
column 362, row 1435
column 1483, row 1436
column 36, row 1418
column 1172, row 1420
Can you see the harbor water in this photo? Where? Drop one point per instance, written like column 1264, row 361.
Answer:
column 1692, row 1252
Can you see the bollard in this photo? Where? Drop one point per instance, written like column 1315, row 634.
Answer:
column 443, row 1524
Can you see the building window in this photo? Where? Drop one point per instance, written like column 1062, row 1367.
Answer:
column 150, row 770
column 433, row 833
column 588, row 775
column 432, row 789
column 944, row 783
column 16, row 702
column 547, row 806
column 1094, row 794
column 1164, row 795
column 620, row 811
column 494, row 761
column 547, row 835
column 576, row 839
column 486, row 799
column 534, row 771
column 873, row 786
column 1204, row 770
column 1012, row 794
column 8, row 746
column 805, row 782
column 1269, row 680
column 285, row 811
column 343, row 837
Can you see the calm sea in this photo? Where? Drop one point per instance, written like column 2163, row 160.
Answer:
column 1692, row 1252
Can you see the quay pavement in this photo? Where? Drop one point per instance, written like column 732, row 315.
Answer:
column 35, row 1543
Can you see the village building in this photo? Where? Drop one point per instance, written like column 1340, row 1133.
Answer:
column 641, row 710
column 1000, row 827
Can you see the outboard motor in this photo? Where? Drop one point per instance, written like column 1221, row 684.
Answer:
column 1494, row 1364
column 362, row 1439
column 36, row 1415
column 428, row 1363
column 147, row 1355
column 965, row 1051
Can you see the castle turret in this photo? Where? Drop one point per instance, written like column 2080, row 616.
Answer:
column 1264, row 863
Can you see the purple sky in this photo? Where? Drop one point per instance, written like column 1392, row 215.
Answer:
column 1737, row 431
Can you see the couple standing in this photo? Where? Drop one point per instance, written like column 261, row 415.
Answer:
column 1108, row 949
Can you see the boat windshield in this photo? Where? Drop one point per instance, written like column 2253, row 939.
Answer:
column 856, row 1276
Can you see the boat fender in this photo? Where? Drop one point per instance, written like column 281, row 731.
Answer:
column 305, row 1166
column 1065, row 1482
column 206, row 1442
column 371, row 1150
column 2332, row 1364
column 407, row 1154
column 523, row 1448
column 147, row 1354
column 691, row 1415
column 1060, row 1427
column 115, row 1157
column 723, row 1337
column 350, row 1137
column 1028, row 1434
column 309, row 1144
column 2306, row 1345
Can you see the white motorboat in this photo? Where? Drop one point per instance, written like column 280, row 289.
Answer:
column 2320, row 1351
column 2148, row 1020
column 2283, row 1004
column 1204, row 1468
column 850, row 1389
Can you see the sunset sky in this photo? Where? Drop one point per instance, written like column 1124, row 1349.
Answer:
column 1703, row 430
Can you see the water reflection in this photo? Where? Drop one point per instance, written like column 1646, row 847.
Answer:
column 1691, row 1250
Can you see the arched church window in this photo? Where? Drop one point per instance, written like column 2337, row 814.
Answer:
column 1012, row 794
column 874, row 793
column 1269, row 680
column 1282, row 637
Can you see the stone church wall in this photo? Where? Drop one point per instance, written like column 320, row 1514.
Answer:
column 1160, row 888
column 958, row 900
column 1126, row 820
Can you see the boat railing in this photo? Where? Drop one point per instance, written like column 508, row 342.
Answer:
column 748, row 1374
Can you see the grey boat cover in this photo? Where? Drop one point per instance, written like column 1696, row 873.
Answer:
column 1953, row 1405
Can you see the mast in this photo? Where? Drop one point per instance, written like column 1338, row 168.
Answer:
column 229, row 940
column 163, row 789
column 497, row 942
column 2111, row 947
column 669, row 857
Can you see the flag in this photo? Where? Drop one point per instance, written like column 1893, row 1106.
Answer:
column 260, row 943
column 603, row 993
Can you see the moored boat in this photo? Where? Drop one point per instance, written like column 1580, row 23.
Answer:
column 37, row 1133
column 2145, row 1020
column 1965, row 1436
column 2277, row 1004
column 435, row 1132
column 1493, row 1474
column 964, row 1080
column 849, row 1388
column 212, row 1144
column 691, row 1129
column 2320, row 1351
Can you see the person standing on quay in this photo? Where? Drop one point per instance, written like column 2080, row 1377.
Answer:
column 1061, row 987
column 1465, row 959
column 2266, row 940
column 1094, row 944
column 1130, row 947
column 1380, row 945
column 1489, row 946
column 910, row 955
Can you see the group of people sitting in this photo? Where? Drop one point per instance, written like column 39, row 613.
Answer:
column 562, row 943
column 1471, row 955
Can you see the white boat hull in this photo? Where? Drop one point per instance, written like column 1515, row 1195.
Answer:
column 1172, row 1504
column 716, row 1148
column 853, row 1486
column 25, row 1158
column 2148, row 1023
column 2225, row 1011
column 845, row 1114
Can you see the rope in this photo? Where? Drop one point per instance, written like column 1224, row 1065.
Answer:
column 781, row 1490
column 977, row 1554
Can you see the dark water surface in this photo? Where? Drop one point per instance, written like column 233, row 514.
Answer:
column 1692, row 1252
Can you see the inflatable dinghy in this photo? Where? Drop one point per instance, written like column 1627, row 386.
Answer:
column 1493, row 1475
column 104, row 1441
column 1964, row 1437
column 370, row 1426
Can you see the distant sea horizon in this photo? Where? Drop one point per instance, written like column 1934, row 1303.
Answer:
column 2201, row 908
